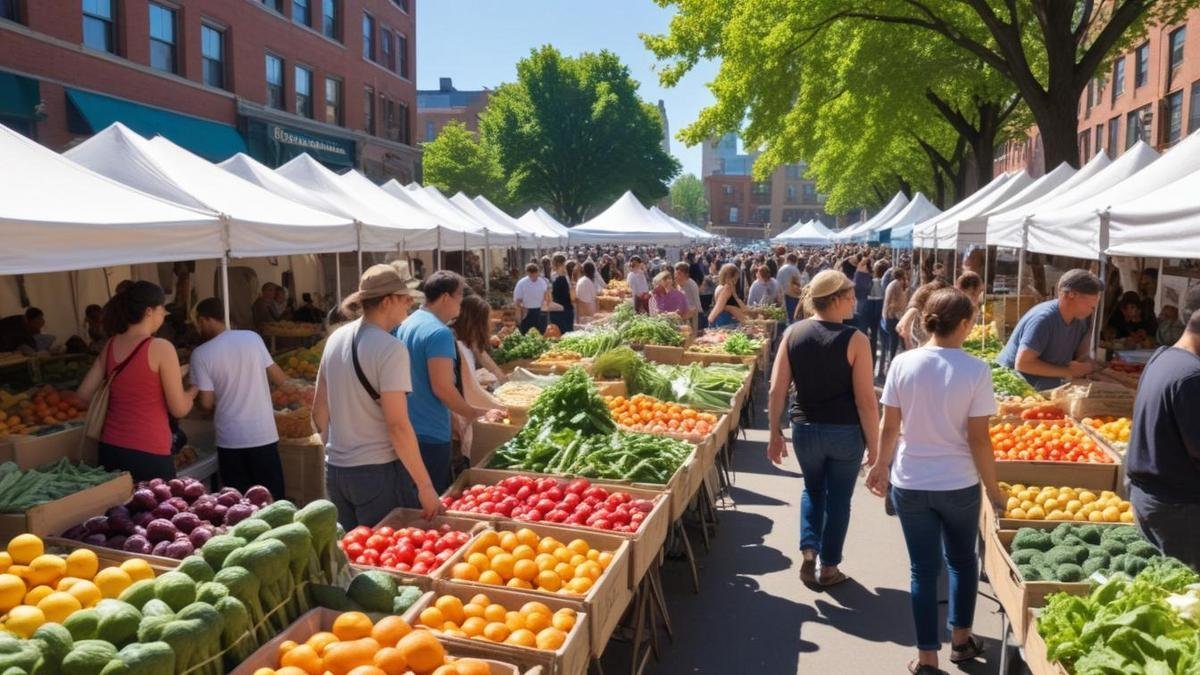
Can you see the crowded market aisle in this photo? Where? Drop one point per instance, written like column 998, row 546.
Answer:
column 753, row 615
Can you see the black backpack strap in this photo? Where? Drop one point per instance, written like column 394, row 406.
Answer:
column 362, row 377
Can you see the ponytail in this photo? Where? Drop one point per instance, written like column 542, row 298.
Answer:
column 129, row 306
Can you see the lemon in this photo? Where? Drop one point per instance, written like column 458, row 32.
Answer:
column 24, row 620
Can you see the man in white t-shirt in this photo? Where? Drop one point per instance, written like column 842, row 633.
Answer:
column 233, row 372
column 528, row 296
column 790, row 284
column 585, row 291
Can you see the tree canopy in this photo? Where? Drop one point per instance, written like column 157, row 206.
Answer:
column 458, row 161
column 688, row 201
column 571, row 133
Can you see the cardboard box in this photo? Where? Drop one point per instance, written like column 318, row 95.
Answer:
column 31, row 452
column 1035, row 652
column 1096, row 477
column 487, row 436
column 57, row 516
column 662, row 354
column 303, row 463
column 1016, row 595
column 570, row 659
column 401, row 517
column 608, row 597
column 321, row 619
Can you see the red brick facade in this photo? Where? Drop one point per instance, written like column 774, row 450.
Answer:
column 46, row 43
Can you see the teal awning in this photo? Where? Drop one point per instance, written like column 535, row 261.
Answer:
column 213, row 141
column 19, row 96
column 276, row 145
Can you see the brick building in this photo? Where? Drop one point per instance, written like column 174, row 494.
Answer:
column 273, row 78
column 436, row 107
column 1151, row 93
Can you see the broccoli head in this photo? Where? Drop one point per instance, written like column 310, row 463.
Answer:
column 1134, row 565
column 1090, row 534
column 1027, row 556
column 1096, row 563
column 1113, row 547
column 1027, row 537
column 1068, row 572
column 1060, row 555
column 1142, row 549
column 1059, row 534
column 1029, row 572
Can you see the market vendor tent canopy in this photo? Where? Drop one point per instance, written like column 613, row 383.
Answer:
column 627, row 222
column 259, row 223
column 495, row 234
column 1076, row 230
column 456, row 232
column 695, row 234
column 56, row 215
column 947, row 230
column 552, row 222
column 900, row 226
column 463, row 203
column 859, row 231
column 250, row 169
column 1004, row 227
column 795, row 226
column 532, row 222
column 1047, row 184
column 812, row 233
column 1164, row 223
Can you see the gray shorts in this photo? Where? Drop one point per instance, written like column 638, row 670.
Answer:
column 365, row 494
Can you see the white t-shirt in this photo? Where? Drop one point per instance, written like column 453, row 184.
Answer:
column 530, row 293
column 785, row 276
column 233, row 366
column 637, row 283
column 468, row 355
column 585, row 290
column 937, row 389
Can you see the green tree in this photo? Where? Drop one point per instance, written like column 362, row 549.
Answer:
column 688, row 201
column 573, row 134
column 458, row 161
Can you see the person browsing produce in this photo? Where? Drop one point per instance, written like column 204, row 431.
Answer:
column 1050, row 343
column 1162, row 463
column 665, row 298
column 360, row 407
column 234, row 372
column 529, row 295
column 690, row 291
column 727, row 308
column 936, row 405
column 560, row 293
column 638, row 285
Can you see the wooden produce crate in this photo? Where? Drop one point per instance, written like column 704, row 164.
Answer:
column 608, row 597
column 321, row 619
column 110, row 557
column 1016, row 595
column 1046, row 474
column 1036, row 654
column 33, row 451
column 706, row 358
column 400, row 518
column 57, row 516
column 571, row 658
column 644, row 544
column 611, row 387
column 607, row 303
column 303, row 461
column 487, row 436
column 662, row 354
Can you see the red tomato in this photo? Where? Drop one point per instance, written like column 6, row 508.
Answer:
column 533, row 515
column 419, row 568
column 354, row 550
column 385, row 531
column 577, row 486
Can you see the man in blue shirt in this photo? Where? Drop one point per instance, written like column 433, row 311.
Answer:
column 1050, row 343
column 436, row 389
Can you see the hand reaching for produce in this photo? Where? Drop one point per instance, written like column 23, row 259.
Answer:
column 1081, row 368
column 777, row 449
column 430, row 504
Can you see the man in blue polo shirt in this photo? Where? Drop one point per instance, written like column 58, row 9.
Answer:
column 436, row 389
column 1050, row 343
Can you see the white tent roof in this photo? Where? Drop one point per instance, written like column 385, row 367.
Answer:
column 898, row 202
column 1164, row 223
column 494, row 224
column 1075, row 230
column 1006, row 229
column 783, row 235
column 259, row 222
column 626, row 221
column 458, row 232
column 56, row 215
column 945, row 231
column 811, row 233
column 498, row 234
column 695, row 234
column 1048, row 184
column 386, row 223
column 901, row 224
column 551, row 222
column 530, row 221
column 247, row 168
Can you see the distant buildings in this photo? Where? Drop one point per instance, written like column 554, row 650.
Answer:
column 436, row 107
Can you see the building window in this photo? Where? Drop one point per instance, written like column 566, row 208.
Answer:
column 304, row 91
column 385, row 49
column 369, row 110
column 368, row 37
column 1091, row 93
column 761, row 188
column 1099, row 138
column 1175, row 41
column 98, row 30
column 8, row 10
column 727, row 189
column 212, row 54
column 389, row 117
column 403, row 135
column 402, row 55
column 276, row 5
column 274, row 82
column 1174, row 126
column 333, row 100
column 733, row 214
column 794, row 171
column 1114, row 132
column 1084, row 147
column 1141, row 65
column 402, row 4
column 429, row 130
column 329, row 22
column 1133, row 128
column 791, row 194
column 810, row 192
column 1194, row 108
column 162, row 38
column 761, row 216
column 1118, row 78
column 301, row 12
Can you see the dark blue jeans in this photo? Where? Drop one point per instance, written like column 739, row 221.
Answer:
column 872, row 313
column 534, row 318
column 365, row 494
column 830, row 456
column 437, row 463
column 790, row 304
column 565, row 320
column 1170, row 526
column 891, row 342
column 937, row 524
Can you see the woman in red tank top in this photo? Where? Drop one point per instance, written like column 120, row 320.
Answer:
column 146, row 385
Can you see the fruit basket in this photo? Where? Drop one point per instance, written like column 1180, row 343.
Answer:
column 398, row 544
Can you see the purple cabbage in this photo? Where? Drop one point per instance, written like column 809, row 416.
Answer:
column 118, row 511
column 96, row 525
column 200, row 536
column 258, row 495
column 120, row 524
column 179, row 503
column 155, row 482
column 143, row 519
column 218, row 514
column 139, row 530
column 160, row 529
column 137, row 544
column 185, row 522
column 176, row 487
column 193, row 492
column 143, row 500
column 237, row 513
column 179, row 549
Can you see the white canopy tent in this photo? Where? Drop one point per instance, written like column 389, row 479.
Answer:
column 546, row 236
column 1077, row 230
column 247, row 168
column 946, row 231
column 464, row 204
column 811, row 233
column 457, row 232
column 795, row 226
column 1047, row 184
column 1164, row 223
column 626, row 221
column 898, row 202
column 696, row 235
column 497, row 234
column 543, row 236
column 900, row 226
column 552, row 222
column 55, row 215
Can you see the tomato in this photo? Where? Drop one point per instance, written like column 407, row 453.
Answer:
column 523, row 492
column 545, row 505
column 376, row 543
column 419, row 568
column 554, row 494
column 354, row 550
column 556, row 516
column 370, row 557
column 403, row 567
column 533, row 515
column 577, row 486
column 385, row 532
column 602, row 524
column 598, row 493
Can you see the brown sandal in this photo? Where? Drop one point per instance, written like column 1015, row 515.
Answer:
column 834, row 580
column 967, row 651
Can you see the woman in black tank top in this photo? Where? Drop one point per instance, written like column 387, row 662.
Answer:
column 834, row 415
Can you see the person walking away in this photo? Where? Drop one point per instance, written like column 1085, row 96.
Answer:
column 935, row 451
column 862, row 288
column 690, row 291
column 528, row 296
column 873, row 310
column 764, row 290
column 360, row 408
column 436, row 382
column 728, row 310
column 638, row 285
column 233, row 372
column 834, row 414
column 789, row 283
column 145, row 385
column 560, row 293
column 1162, row 464
column 912, row 331
column 1051, row 343
column 585, row 292
column 895, row 298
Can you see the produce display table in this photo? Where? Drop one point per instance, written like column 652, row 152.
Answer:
column 56, row 516
column 204, row 468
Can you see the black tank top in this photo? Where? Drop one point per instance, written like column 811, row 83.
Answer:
column 821, row 373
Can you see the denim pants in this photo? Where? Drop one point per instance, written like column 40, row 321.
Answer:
column 891, row 342
column 872, row 313
column 1170, row 526
column 830, row 456
column 790, row 304
column 365, row 494
column 534, row 318
column 565, row 320
column 437, row 462
column 937, row 524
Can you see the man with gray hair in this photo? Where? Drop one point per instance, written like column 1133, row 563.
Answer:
column 1051, row 342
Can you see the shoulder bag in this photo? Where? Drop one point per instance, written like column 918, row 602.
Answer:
column 93, row 425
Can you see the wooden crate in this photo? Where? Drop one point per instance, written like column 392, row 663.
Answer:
column 571, row 658
column 33, row 451
column 1016, row 595
column 608, row 597
column 1046, row 474
column 110, row 557
column 303, row 461
column 57, row 516
column 1036, row 654
column 402, row 517
column 706, row 358
column 487, row 436
column 662, row 354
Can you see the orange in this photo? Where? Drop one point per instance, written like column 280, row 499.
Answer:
column 285, row 647
column 12, row 592
column 352, row 626
column 508, row 541
column 289, row 670
column 474, row 626
column 432, row 617
column 391, row 661
column 527, row 537
column 578, row 546
column 422, row 651
column 548, row 581
column 525, row 569
column 48, row 569
column 480, row 561
column 86, row 592
column 480, row 599
column 342, row 657
column 368, row 669
column 319, row 641
column 535, row 606
column 519, row 583
column 579, row 586
column 550, row 639
column 451, row 608
column 524, row 552
column 303, row 657
column 514, row 621
column 545, row 561
column 464, row 572
column 389, row 630
column 495, row 612
column 25, row 547
column 564, row 571
column 486, row 540
column 470, row 667
column 563, row 621
column 65, row 583
column 112, row 581
column 522, row 638
column 496, row 631
column 548, row 545
column 493, row 551
column 491, row 578
column 37, row 594
column 563, row 554
column 136, row 568
column 472, row 609
column 57, row 606
column 537, row 621
column 503, row 565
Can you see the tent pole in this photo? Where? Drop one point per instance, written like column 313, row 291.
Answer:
column 439, row 247
column 1104, row 222
column 1021, row 263
column 337, row 272
column 463, row 261
column 487, row 264
column 225, row 285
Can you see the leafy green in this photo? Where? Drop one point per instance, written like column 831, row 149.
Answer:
column 590, row 343
column 740, row 344
column 516, row 346
column 1008, row 382
column 651, row 330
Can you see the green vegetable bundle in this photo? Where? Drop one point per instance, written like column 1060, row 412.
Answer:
column 590, row 343
column 571, row 402
column 623, row 313
column 22, row 490
column 642, row 458
column 1008, row 382
column 516, row 347
column 1073, row 553
column 705, row 387
column 986, row 348
column 740, row 344
column 772, row 312
column 651, row 330
column 640, row 376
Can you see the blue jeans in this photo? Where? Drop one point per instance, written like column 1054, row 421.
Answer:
column 365, row 494
column 937, row 523
column 534, row 318
column 891, row 342
column 829, row 456
column 872, row 313
column 437, row 462
column 790, row 304
column 565, row 320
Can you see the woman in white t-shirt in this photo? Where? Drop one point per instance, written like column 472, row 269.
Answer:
column 585, row 291
column 936, row 405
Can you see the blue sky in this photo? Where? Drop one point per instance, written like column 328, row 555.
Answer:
column 478, row 43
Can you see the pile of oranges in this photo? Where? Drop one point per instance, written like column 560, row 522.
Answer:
column 1045, row 442
column 1031, row 502
column 650, row 415
column 533, row 625
column 355, row 645
column 1115, row 430
column 46, row 405
column 524, row 560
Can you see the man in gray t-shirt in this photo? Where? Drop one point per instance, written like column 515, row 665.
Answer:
column 361, row 410
column 1051, row 342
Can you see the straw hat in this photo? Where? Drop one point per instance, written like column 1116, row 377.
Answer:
column 383, row 280
column 827, row 283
